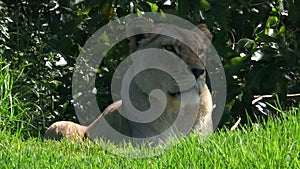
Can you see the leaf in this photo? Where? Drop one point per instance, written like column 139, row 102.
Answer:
column 282, row 31
column 245, row 44
column 265, row 38
column 69, row 27
column 144, row 6
column 235, row 65
column 205, row 4
column 272, row 21
column 154, row 7
column 84, row 12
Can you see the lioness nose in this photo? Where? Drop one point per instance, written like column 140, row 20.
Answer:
column 197, row 72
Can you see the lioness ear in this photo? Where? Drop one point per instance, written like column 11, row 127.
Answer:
column 202, row 30
column 205, row 30
column 139, row 26
column 137, row 29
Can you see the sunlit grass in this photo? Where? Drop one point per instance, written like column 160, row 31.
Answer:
column 12, row 111
column 274, row 144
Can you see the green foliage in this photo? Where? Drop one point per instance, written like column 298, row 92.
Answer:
column 14, row 117
column 274, row 144
column 260, row 50
column 258, row 43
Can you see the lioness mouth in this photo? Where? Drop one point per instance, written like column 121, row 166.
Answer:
column 178, row 94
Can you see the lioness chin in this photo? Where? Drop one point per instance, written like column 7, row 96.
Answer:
column 190, row 95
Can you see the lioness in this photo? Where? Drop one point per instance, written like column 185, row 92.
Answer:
column 190, row 46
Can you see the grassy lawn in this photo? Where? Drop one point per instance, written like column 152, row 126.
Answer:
column 275, row 144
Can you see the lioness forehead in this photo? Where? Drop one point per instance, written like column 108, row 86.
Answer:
column 172, row 35
column 186, row 48
column 190, row 38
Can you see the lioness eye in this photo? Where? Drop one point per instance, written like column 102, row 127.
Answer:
column 170, row 48
column 197, row 72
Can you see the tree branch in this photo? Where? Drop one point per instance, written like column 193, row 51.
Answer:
column 263, row 97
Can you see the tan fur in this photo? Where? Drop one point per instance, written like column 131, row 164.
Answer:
column 67, row 129
column 193, row 92
column 71, row 130
column 204, row 123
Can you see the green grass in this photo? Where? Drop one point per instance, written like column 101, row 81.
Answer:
column 275, row 144
column 14, row 115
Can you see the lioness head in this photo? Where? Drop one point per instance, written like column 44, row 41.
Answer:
column 188, row 45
